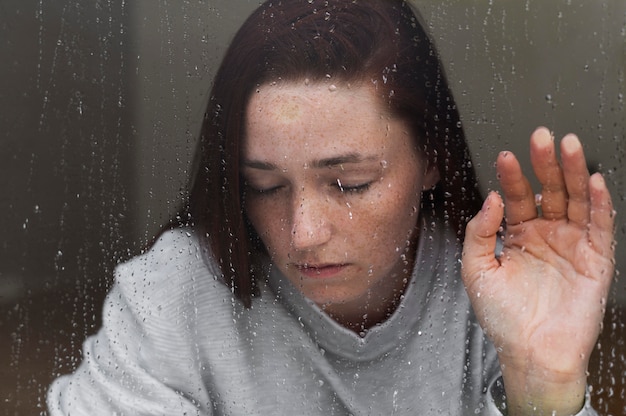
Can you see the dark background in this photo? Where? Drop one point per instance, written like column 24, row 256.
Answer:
column 99, row 107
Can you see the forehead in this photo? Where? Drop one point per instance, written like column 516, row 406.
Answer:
column 329, row 117
column 285, row 101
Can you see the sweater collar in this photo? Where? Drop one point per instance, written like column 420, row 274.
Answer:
column 434, row 271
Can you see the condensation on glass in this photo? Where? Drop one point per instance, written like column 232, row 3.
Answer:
column 101, row 102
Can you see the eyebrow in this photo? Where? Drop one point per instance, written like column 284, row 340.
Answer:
column 318, row 163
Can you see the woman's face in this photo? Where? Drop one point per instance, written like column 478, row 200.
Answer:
column 333, row 190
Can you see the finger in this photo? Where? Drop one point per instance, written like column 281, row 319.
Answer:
column 480, row 240
column 518, row 195
column 602, row 217
column 576, row 178
column 549, row 173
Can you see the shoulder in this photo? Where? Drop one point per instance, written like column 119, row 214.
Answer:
column 175, row 248
column 177, row 253
column 174, row 272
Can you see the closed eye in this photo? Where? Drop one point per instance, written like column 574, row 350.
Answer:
column 263, row 191
column 352, row 189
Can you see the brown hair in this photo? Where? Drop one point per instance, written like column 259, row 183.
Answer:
column 381, row 41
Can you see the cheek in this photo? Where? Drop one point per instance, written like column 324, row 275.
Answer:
column 268, row 221
column 386, row 222
column 399, row 213
column 403, row 220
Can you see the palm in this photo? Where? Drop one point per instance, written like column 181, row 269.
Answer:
column 542, row 299
column 545, row 293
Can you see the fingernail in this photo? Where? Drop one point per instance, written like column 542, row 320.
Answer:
column 597, row 180
column 486, row 203
column 571, row 143
column 543, row 137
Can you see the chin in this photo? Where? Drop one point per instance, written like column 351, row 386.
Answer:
column 324, row 300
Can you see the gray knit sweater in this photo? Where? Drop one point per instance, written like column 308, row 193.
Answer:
column 176, row 342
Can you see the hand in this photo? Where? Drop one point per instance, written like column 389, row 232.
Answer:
column 542, row 300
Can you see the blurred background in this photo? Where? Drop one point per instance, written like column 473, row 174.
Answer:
column 100, row 105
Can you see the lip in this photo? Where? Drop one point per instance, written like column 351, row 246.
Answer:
column 320, row 271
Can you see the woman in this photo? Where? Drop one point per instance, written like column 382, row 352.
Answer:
column 318, row 268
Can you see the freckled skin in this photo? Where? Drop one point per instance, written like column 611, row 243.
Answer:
column 312, row 213
column 542, row 301
column 289, row 112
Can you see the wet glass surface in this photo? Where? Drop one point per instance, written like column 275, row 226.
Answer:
column 101, row 102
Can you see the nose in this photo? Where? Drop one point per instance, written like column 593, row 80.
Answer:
column 311, row 224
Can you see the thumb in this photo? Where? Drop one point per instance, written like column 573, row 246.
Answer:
column 480, row 240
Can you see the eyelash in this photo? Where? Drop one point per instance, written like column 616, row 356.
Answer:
column 268, row 191
column 355, row 189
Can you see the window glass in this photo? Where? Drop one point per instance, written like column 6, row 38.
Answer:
column 101, row 104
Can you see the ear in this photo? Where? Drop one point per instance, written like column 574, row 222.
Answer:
column 431, row 176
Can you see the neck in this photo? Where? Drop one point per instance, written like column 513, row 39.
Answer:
column 363, row 317
column 380, row 301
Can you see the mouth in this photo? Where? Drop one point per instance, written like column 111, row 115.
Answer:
column 320, row 271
